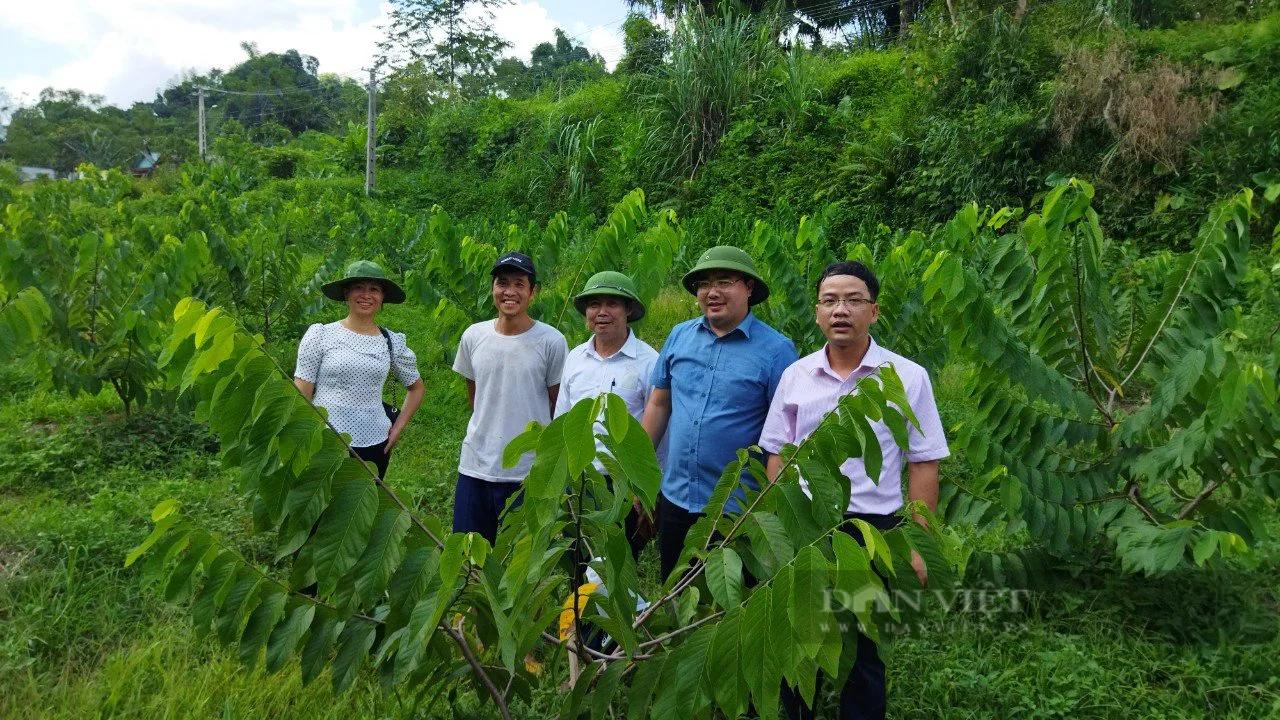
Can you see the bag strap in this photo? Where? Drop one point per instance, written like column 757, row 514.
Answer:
column 391, row 362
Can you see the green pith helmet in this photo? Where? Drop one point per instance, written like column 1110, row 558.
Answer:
column 726, row 257
column 364, row 270
column 611, row 283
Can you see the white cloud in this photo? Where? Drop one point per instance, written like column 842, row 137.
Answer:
column 526, row 24
column 126, row 50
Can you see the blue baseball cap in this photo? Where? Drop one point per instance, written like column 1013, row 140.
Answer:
column 515, row 261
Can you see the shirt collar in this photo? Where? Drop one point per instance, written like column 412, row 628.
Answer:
column 747, row 324
column 630, row 348
column 872, row 359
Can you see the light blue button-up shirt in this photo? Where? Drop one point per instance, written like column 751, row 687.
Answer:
column 721, row 388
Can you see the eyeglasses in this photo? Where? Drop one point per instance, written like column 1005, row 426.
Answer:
column 720, row 284
column 851, row 303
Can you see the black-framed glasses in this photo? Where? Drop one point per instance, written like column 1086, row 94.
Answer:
column 718, row 284
column 829, row 303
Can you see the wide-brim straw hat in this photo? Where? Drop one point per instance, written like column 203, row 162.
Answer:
column 612, row 283
column 362, row 270
column 726, row 257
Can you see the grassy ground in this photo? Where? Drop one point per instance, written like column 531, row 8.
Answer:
column 80, row 638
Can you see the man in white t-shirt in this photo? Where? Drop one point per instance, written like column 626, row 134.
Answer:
column 614, row 361
column 512, row 366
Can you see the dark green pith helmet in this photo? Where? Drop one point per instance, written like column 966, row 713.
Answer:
column 611, row 283
column 364, row 270
column 726, row 257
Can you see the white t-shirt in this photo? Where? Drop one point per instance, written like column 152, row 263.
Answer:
column 512, row 374
column 348, row 370
column 626, row 373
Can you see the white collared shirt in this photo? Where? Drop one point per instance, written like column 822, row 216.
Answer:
column 625, row 373
column 810, row 389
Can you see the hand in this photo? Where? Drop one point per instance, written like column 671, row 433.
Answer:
column 646, row 524
column 393, row 437
column 918, row 564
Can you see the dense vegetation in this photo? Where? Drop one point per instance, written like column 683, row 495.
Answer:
column 1073, row 212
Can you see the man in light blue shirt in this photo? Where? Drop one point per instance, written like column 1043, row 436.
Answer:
column 713, row 383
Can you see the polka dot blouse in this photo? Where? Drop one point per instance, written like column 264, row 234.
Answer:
column 348, row 370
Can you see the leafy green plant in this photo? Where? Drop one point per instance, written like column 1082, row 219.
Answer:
column 23, row 316
column 106, row 290
column 1113, row 404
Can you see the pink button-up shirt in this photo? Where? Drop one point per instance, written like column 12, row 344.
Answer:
column 809, row 389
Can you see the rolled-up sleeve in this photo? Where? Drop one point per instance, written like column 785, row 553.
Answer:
column 782, row 359
column 310, row 351
column 662, row 368
column 780, row 424
column 405, row 362
column 928, row 442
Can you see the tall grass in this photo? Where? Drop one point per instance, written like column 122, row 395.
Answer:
column 718, row 64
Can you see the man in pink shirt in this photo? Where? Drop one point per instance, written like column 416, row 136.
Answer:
column 809, row 389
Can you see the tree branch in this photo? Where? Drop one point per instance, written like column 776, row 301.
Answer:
column 1168, row 314
column 476, row 668
column 1205, row 493
column 1135, row 497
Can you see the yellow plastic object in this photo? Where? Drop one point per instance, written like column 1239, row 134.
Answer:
column 566, row 615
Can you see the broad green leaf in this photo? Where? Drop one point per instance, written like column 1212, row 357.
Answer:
column 769, row 539
column 288, row 633
column 344, row 532
column 373, row 570
column 162, row 526
column 810, row 607
column 724, row 577
column 258, row 628
column 606, row 690
column 1205, row 546
column 233, row 609
column 616, row 417
column 724, row 670
column 577, row 427
column 353, row 647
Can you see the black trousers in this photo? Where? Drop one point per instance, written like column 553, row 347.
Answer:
column 863, row 694
column 673, row 525
column 375, row 454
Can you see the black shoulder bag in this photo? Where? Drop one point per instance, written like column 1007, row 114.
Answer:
column 392, row 411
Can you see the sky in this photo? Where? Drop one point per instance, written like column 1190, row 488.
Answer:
column 126, row 50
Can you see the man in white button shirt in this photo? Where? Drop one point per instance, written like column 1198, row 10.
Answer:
column 614, row 361
column 809, row 389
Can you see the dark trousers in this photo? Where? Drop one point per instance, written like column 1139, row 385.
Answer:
column 863, row 694
column 673, row 525
column 478, row 505
column 631, row 525
column 375, row 455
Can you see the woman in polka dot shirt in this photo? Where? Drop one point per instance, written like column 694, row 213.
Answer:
column 343, row 365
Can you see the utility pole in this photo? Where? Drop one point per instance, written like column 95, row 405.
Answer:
column 202, row 140
column 369, row 137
